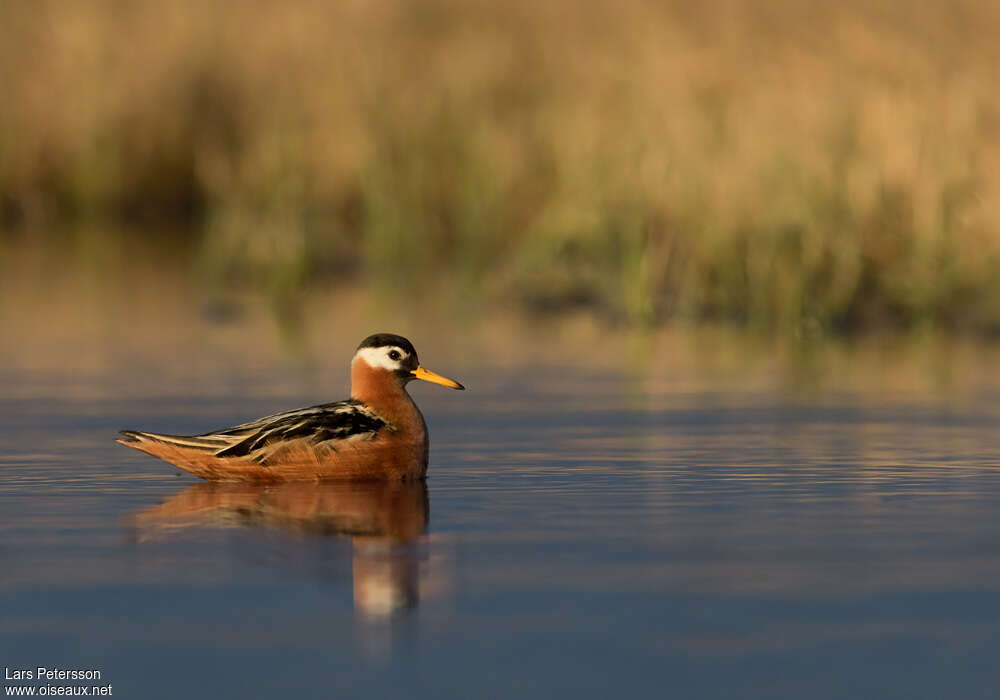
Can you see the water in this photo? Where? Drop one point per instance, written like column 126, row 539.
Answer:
column 582, row 532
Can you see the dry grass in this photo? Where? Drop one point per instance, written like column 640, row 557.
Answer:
column 792, row 165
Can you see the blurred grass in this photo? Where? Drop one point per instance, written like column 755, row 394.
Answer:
column 798, row 166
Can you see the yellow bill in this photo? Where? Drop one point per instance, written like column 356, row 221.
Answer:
column 435, row 378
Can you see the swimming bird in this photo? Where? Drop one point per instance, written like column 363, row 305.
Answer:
column 378, row 434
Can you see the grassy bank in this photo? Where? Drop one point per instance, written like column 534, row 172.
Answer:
column 788, row 165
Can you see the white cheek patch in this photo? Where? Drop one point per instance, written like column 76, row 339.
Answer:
column 379, row 358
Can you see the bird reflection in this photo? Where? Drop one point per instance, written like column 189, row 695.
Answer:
column 386, row 522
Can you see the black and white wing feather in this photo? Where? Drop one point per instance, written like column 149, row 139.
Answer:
column 323, row 426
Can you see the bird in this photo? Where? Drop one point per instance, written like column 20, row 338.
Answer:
column 378, row 434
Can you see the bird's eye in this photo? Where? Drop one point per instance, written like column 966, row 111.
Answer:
column 394, row 355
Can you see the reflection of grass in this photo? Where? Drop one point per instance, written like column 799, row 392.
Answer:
column 802, row 166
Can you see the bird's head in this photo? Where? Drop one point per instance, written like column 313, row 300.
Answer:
column 396, row 355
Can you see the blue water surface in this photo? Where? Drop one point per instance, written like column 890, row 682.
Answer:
column 579, row 535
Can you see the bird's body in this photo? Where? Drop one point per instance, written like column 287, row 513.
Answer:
column 377, row 434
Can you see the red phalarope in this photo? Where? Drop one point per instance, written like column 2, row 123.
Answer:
column 377, row 434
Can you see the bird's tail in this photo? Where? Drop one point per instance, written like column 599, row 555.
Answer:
column 147, row 441
column 195, row 453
